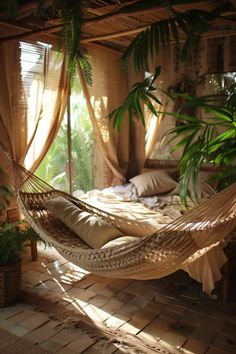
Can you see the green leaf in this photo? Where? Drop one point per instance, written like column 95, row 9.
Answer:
column 154, row 98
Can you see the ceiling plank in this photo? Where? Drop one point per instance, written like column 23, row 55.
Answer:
column 117, row 14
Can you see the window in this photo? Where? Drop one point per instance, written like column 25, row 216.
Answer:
column 68, row 164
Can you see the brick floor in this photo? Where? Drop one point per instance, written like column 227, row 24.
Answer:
column 171, row 311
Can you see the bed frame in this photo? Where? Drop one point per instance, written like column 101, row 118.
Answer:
column 173, row 164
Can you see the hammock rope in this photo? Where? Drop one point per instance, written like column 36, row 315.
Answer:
column 154, row 254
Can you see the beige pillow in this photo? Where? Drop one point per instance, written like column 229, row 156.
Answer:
column 153, row 183
column 173, row 172
column 120, row 241
column 90, row 228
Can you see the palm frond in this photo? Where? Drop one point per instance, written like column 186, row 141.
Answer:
column 193, row 23
column 140, row 94
column 201, row 142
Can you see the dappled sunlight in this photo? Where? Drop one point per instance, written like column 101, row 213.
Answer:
column 41, row 70
column 158, row 312
column 96, row 314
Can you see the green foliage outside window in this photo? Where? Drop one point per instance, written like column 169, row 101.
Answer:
column 54, row 167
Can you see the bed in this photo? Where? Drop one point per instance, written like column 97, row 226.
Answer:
column 151, row 198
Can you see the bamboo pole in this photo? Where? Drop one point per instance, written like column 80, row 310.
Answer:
column 52, row 37
column 113, row 35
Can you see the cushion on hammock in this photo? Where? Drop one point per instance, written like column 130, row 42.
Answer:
column 120, row 241
column 90, row 228
column 153, row 183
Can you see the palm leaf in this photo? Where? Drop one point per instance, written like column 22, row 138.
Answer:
column 140, row 94
column 192, row 22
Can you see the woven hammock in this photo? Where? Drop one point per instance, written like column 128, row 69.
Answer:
column 150, row 256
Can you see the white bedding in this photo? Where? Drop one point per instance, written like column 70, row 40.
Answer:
column 155, row 212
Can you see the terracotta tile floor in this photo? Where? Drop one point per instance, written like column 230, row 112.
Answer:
column 172, row 311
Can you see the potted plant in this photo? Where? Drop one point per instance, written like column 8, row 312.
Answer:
column 13, row 238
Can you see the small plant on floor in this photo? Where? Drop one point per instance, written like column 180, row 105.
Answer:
column 13, row 238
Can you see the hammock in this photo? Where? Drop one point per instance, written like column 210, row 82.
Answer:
column 152, row 256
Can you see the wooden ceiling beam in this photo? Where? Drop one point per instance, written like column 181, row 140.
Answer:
column 28, row 33
column 206, row 35
column 113, row 35
column 52, row 29
column 49, row 36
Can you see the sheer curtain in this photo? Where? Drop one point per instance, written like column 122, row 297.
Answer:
column 13, row 119
column 31, row 115
column 108, row 90
column 47, row 89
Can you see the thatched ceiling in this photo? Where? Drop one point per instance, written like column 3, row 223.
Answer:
column 105, row 22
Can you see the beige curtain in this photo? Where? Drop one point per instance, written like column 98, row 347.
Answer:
column 107, row 92
column 46, row 103
column 12, row 110
column 30, row 123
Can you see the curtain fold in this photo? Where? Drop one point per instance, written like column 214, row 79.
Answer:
column 107, row 92
column 49, row 92
column 13, row 120
column 30, row 119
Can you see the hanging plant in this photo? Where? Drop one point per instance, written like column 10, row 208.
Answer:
column 141, row 94
column 71, row 15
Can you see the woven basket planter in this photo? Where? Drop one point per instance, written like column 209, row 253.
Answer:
column 9, row 283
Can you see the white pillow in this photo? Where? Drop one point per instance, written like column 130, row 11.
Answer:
column 153, row 183
column 90, row 228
